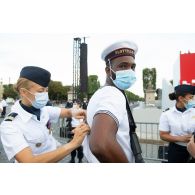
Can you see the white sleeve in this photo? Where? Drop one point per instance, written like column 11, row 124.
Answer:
column 54, row 113
column 112, row 103
column 164, row 123
column 12, row 139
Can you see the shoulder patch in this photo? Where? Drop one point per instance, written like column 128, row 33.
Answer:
column 166, row 109
column 11, row 116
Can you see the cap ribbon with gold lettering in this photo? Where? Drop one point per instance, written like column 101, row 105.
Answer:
column 120, row 52
column 118, row 49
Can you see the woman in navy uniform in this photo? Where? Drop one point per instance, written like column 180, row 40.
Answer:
column 25, row 134
column 177, row 124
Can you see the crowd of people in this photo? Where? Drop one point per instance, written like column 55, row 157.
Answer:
column 103, row 129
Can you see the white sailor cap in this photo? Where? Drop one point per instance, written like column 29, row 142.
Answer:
column 118, row 49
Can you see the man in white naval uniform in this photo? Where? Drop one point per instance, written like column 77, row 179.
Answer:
column 109, row 140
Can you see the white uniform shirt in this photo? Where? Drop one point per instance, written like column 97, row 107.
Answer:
column 178, row 123
column 111, row 101
column 26, row 131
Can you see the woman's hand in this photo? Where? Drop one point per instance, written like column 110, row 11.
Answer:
column 185, row 138
column 170, row 138
column 79, row 133
column 191, row 147
column 78, row 113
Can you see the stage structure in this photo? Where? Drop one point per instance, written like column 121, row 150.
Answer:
column 80, row 70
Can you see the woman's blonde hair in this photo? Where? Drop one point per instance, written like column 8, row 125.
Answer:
column 22, row 83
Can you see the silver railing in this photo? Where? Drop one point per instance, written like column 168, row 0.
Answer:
column 153, row 148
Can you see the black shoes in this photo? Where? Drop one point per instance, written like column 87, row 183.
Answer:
column 80, row 161
column 72, row 161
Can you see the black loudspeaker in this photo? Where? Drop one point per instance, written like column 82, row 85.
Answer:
column 83, row 68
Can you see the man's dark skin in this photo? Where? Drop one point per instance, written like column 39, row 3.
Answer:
column 102, row 141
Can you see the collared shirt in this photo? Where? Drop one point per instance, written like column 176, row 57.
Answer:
column 32, row 110
column 178, row 123
column 109, row 100
column 26, row 131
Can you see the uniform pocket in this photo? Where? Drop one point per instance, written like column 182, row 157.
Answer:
column 35, row 140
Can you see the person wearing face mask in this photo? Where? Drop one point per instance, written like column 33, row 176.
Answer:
column 25, row 133
column 178, row 123
column 109, row 139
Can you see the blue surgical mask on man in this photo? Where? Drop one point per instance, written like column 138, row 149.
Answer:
column 124, row 78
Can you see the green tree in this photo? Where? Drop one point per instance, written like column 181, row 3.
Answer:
column 9, row 92
column 93, row 84
column 132, row 97
column 149, row 78
column 57, row 91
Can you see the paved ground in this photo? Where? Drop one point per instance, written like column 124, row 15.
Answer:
column 56, row 133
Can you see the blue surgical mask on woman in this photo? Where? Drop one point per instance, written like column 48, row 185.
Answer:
column 124, row 78
column 190, row 104
column 41, row 99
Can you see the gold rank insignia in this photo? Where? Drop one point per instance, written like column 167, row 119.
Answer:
column 38, row 145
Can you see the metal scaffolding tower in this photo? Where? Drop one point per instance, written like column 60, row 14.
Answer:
column 76, row 66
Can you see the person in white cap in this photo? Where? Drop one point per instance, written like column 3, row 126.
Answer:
column 109, row 139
